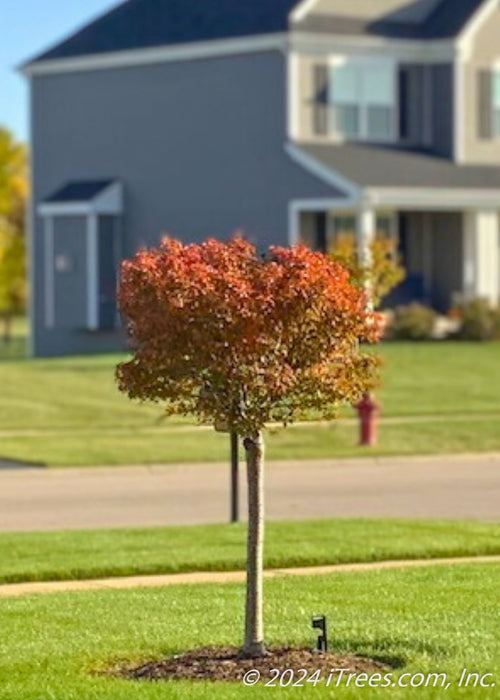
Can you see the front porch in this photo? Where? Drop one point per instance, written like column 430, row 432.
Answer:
column 450, row 256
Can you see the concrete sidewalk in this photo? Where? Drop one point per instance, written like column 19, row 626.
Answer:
column 416, row 487
column 15, row 590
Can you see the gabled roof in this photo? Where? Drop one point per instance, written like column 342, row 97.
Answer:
column 80, row 191
column 370, row 166
column 140, row 24
column 446, row 21
column 449, row 18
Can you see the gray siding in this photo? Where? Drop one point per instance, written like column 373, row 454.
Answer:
column 198, row 146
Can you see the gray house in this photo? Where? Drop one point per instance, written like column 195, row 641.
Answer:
column 289, row 120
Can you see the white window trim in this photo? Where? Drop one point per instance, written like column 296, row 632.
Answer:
column 93, row 272
column 335, row 61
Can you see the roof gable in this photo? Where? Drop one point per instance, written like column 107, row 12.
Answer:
column 445, row 21
column 139, row 24
column 142, row 24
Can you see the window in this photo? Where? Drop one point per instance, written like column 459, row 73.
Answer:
column 363, row 100
column 496, row 103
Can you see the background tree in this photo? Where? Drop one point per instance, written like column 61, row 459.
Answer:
column 383, row 274
column 13, row 198
column 238, row 341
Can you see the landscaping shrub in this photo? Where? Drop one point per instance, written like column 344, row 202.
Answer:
column 413, row 322
column 480, row 321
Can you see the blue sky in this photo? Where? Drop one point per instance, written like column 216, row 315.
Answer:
column 28, row 27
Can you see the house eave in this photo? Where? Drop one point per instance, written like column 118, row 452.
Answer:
column 422, row 50
column 427, row 198
column 160, row 54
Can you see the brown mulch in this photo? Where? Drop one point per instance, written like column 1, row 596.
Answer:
column 212, row 664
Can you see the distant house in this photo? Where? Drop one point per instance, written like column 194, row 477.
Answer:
column 289, row 120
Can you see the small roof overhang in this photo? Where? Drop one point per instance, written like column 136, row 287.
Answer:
column 391, row 176
column 84, row 197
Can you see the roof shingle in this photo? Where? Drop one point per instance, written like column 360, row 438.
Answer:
column 386, row 166
column 81, row 191
column 139, row 24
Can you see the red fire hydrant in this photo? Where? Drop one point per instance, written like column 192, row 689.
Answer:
column 368, row 411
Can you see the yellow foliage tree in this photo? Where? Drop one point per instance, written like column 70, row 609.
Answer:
column 13, row 198
column 383, row 274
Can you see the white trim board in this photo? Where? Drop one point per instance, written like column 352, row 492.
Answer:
column 432, row 198
column 92, row 272
column 478, row 19
column 301, row 10
column 293, row 95
column 459, row 108
column 162, row 54
column 422, row 51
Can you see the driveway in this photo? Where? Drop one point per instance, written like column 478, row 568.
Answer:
column 424, row 487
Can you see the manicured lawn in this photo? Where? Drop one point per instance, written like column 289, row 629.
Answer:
column 16, row 349
column 434, row 620
column 69, row 412
column 94, row 554
column 322, row 441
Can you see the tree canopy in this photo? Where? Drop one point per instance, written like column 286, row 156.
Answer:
column 13, row 198
column 240, row 340
column 381, row 276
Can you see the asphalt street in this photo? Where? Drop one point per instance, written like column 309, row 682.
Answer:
column 424, row 487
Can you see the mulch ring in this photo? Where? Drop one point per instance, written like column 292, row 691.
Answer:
column 212, row 664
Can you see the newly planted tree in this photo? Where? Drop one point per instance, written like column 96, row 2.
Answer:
column 240, row 340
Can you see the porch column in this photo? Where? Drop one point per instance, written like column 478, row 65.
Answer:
column 365, row 232
column 481, row 268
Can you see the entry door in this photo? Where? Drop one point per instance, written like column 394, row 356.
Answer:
column 70, row 271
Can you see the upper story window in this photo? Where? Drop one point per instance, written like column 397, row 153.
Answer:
column 363, row 100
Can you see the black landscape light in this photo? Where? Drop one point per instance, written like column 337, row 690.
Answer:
column 319, row 623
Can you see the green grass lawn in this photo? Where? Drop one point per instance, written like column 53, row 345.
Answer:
column 433, row 620
column 323, row 441
column 16, row 349
column 69, row 412
column 95, row 554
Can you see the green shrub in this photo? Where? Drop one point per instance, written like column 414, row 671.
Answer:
column 414, row 322
column 480, row 321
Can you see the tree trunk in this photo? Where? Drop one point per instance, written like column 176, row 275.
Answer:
column 7, row 328
column 254, row 626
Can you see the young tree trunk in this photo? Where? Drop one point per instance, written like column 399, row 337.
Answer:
column 254, row 625
column 7, row 328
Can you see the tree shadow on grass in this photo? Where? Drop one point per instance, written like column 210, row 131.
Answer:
column 393, row 651
column 7, row 463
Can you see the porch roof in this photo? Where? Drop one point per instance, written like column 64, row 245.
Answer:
column 373, row 166
column 79, row 191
